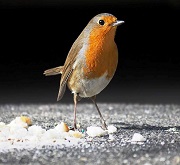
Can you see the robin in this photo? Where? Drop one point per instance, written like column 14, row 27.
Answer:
column 91, row 61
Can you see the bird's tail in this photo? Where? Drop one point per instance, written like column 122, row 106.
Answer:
column 53, row 71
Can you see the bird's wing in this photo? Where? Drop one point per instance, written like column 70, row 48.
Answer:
column 68, row 66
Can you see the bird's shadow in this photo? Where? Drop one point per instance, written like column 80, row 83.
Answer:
column 147, row 127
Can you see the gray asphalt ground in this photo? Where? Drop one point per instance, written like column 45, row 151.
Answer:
column 159, row 124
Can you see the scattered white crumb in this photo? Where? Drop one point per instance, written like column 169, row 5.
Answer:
column 17, row 122
column 36, row 130
column 111, row 129
column 17, row 134
column 62, row 127
column 21, row 133
column 78, row 125
column 2, row 124
column 94, row 131
column 137, row 138
column 75, row 134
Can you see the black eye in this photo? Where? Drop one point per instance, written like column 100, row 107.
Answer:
column 101, row 22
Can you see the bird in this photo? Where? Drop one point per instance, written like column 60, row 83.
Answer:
column 91, row 62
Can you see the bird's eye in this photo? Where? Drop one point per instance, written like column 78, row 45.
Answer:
column 101, row 22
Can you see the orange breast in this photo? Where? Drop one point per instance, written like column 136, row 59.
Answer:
column 101, row 55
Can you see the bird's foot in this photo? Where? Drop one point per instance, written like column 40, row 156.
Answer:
column 74, row 128
column 104, row 125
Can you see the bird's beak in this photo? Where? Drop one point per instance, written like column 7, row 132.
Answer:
column 117, row 23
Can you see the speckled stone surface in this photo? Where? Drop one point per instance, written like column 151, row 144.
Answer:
column 159, row 124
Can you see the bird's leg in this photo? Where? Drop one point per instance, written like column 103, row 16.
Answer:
column 76, row 99
column 75, row 107
column 104, row 126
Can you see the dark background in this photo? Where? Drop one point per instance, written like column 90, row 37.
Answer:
column 37, row 35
